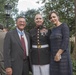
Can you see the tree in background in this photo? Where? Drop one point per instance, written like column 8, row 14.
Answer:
column 74, row 52
column 14, row 10
column 65, row 8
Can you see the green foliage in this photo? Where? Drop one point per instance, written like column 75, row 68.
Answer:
column 8, row 20
column 74, row 66
column 71, row 47
column 29, row 15
column 65, row 8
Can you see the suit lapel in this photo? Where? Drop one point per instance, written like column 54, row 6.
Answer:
column 17, row 38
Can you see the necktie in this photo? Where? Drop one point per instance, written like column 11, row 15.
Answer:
column 23, row 45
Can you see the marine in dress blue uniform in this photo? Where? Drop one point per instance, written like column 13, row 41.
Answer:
column 40, row 53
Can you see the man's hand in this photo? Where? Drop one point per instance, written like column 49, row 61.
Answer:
column 8, row 71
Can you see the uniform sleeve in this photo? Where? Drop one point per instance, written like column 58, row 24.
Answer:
column 65, row 37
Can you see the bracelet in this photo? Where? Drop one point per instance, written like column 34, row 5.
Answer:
column 60, row 56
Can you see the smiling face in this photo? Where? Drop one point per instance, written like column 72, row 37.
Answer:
column 21, row 23
column 38, row 20
column 54, row 18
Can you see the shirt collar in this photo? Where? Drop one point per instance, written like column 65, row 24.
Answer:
column 20, row 32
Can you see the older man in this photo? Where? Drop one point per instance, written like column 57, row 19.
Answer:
column 16, row 49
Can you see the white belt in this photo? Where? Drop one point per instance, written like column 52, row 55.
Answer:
column 40, row 46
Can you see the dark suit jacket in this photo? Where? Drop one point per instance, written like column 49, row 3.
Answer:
column 13, row 51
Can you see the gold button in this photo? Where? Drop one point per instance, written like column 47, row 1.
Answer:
column 37, row 34
column 38, row 40
column 38, row 43
column 38, row 37
column 38, row 29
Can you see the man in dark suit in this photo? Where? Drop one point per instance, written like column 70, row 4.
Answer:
column 2, row 35
column 16, row 49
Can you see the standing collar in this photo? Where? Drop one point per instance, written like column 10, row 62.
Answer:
column 40, row 27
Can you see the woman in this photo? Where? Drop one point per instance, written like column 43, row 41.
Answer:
column 60, row 57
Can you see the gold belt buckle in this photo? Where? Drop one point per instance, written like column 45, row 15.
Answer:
column 38, row 46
